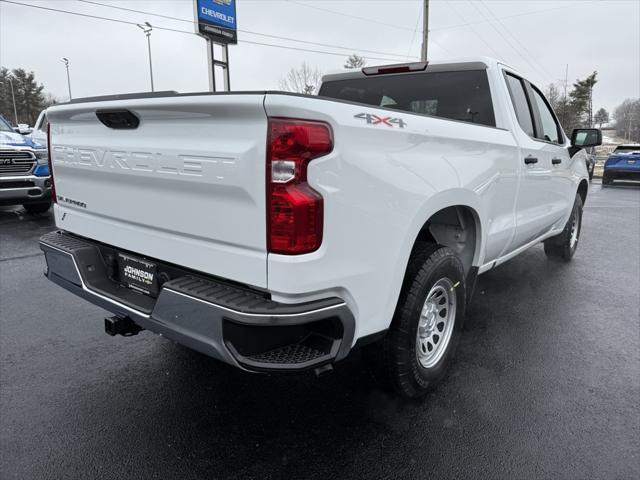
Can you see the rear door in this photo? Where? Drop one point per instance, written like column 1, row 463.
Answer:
column 186, row 185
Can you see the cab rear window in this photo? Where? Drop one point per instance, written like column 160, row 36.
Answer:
column 460, row 95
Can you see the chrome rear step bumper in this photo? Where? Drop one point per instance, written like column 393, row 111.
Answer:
column 232, row 323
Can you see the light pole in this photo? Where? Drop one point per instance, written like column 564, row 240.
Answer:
column 147, row 28
column 66, row 64
column 13, row 95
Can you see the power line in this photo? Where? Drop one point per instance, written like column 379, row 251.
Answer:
column 413, row 37
column 400, row 27
column 370, row 20
column 135, row 11
column 357, row 17
column 279, row 37
column 465, row 24
column 435, row 42
column 432, row 40
column 474, row 31
column 509, row 42
column 524, row 14
column 98, row 17
column 526, row 50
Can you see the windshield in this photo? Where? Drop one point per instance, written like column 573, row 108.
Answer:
column 462, row 95
column 627, row 148
column 4, row 126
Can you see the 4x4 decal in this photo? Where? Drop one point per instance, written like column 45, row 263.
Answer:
column 373, row 119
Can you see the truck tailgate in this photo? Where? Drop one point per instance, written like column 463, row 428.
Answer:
column 186, row 186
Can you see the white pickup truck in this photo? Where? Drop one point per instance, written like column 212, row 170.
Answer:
column 278, row 232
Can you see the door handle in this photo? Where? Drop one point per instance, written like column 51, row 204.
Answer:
column 556, row 161
column 530, row 160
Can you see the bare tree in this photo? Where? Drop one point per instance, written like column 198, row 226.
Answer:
column 50, row 99
column 355, row 62
column 304, row 79
column 601, row 116
column 552, row 93
column 627, row 118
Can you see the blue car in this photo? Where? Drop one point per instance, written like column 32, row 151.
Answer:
column 622, row 164
column 24, row 171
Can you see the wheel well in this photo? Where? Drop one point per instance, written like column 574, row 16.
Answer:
column 456, row 227
column 582, row 190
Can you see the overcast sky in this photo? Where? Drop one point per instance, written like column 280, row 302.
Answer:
column 537, row 37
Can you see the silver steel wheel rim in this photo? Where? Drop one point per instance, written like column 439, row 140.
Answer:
column 575, row 228
column 435, row 325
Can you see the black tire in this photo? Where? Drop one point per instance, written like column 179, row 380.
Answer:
column 591, row 172
column 41, row 207
column 563, row 246
column 606, row 179
column 394, row 359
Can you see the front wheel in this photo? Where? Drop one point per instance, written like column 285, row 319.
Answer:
column 426, row 327
column 565, row 244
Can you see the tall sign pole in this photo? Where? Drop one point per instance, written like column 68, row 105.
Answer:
column 215, row 20
column 425, row 30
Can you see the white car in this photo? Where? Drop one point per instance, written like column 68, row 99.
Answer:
column 23, row 129
column 39, row 131
column 278, row 232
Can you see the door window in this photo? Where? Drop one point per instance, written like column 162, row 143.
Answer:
column 550, row 130
column 520, row 104
column 44, row 124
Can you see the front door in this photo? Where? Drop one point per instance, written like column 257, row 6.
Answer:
column 556, row 147
column 536, row 208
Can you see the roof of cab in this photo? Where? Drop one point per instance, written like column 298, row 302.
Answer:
column 459, row 64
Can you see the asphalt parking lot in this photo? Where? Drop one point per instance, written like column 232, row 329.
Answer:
column 546, row 383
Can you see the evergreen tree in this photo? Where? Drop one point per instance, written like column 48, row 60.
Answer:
column 581, row 101
column 29, row 96
column 355, row 62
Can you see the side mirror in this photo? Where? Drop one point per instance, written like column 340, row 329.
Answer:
column 586, row 137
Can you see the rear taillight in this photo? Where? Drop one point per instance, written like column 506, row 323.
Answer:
column 54, row 198
column 294, row 209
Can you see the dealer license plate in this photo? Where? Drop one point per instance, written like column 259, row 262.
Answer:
column 138, row 274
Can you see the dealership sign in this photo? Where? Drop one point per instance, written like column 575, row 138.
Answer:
column 216, row 20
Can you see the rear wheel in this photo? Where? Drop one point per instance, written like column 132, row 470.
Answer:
column 565, row 244
column 41, row 207
column 421, row 342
